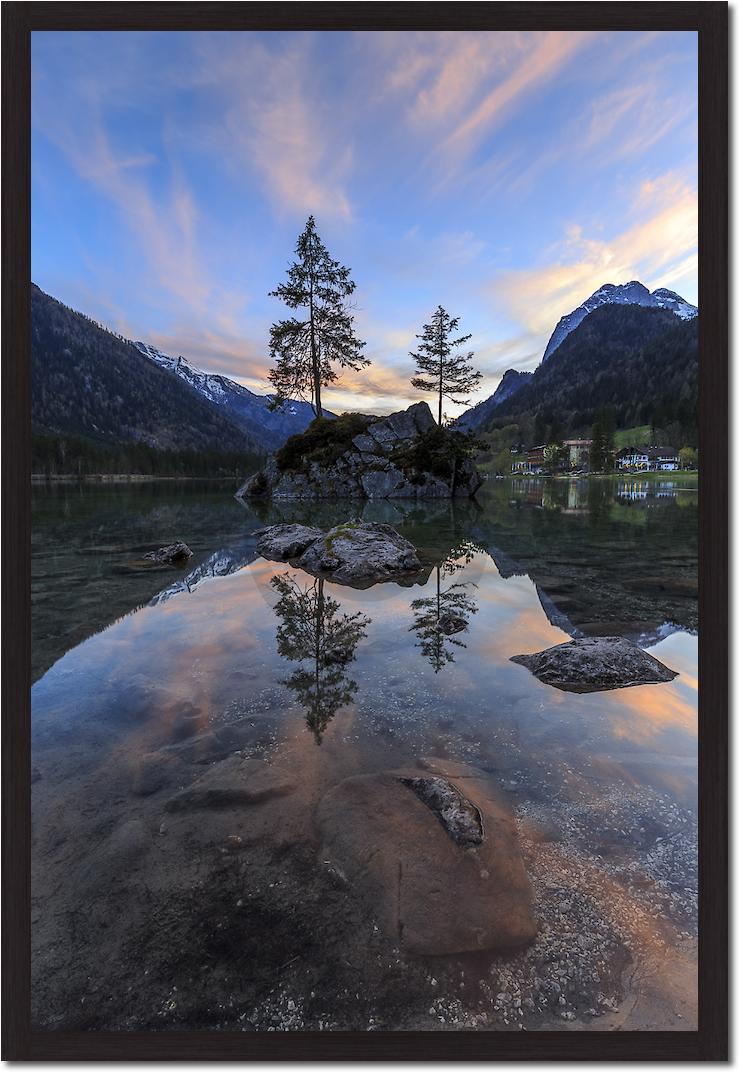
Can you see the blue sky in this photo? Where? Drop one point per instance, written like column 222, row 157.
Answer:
column 503, row 175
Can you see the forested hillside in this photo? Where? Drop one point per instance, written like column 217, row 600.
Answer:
column 88, row 382
column 641, row 363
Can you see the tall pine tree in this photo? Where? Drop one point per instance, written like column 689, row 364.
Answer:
column 305, row 349
column 439, row 367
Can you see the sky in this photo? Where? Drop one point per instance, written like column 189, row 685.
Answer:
column 504, row 175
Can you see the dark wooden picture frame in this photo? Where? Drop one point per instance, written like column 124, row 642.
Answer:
column 710, row 1042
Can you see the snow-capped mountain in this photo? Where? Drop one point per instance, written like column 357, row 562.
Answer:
column 633, row 293
column 477, row 416
column 245, row 408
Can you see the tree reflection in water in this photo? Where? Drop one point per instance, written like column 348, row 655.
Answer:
column 314, row 633
column 439, row 618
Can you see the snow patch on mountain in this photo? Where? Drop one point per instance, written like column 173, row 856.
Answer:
column 632, row 293
column 245, row 408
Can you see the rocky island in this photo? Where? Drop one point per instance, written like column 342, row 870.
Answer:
column 403, row 456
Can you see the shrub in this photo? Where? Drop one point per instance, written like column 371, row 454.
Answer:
column 439, row 451
column 323, row 441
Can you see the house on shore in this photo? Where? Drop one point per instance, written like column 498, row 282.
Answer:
column 578, row 452
column 530, row 461
column 648, row 459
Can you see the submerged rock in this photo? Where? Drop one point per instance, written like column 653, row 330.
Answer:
column 154, row 771
column 437, row 861
column 355, row 553
column 231, row 782
column 173, row 552
column 595, row 664
column 459, row 816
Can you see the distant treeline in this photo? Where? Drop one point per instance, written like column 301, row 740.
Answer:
column 55, row 455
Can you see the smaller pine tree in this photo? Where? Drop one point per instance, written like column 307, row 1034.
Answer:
column 440, row 368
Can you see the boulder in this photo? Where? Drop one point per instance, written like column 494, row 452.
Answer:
column 469, row 480
column 356, row 553
column 407, row 423
column 435, row 859
column 595, row 664
column 231, row 782
column 365, row 444
column 281, row 543
column 386, row 483
column 173, row 552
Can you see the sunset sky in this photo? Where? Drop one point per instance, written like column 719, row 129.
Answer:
column 503, row 175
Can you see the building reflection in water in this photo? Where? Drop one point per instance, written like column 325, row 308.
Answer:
column 440, row 618
column 313, row 633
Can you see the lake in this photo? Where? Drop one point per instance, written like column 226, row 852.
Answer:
column 150, row 916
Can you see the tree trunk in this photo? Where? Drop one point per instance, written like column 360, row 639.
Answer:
column 314, row 359
column 441, row 367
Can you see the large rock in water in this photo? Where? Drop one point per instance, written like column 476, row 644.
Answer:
column 435, row 857
column 173, row 552
column 375, row 466
column 594, row 664
column 284, row 543
column 357, row 553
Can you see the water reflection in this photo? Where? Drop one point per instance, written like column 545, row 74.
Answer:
column 313, row 633
column 438, row 619
column 146, row 707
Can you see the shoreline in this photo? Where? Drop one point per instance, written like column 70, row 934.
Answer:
column 121, row 478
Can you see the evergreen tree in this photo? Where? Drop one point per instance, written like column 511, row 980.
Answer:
column 603, row 435
column 439, row 367
column 608, row 429
column 596, row 447
column 306, row 349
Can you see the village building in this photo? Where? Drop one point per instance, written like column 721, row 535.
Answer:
column 578, row 452
column 530, row 461
column 648, row 459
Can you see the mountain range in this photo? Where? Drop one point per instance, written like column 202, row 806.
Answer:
column 639, row 362
column 671, row 310
column 89, row 382
column 633, row 293
column 624, row 347
column 243, row 407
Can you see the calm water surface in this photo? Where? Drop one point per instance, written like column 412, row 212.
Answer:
column 144, row 917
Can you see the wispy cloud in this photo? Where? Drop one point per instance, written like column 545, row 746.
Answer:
column 656, row 248
column 548, row 54
column 632, row 119
column 483, row 171
column 233, row 355
column 278, row 121
column 164, row 228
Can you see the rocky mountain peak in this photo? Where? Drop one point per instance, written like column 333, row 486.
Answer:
column 631, row 293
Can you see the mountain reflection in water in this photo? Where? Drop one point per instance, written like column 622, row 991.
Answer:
column 146, row 680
